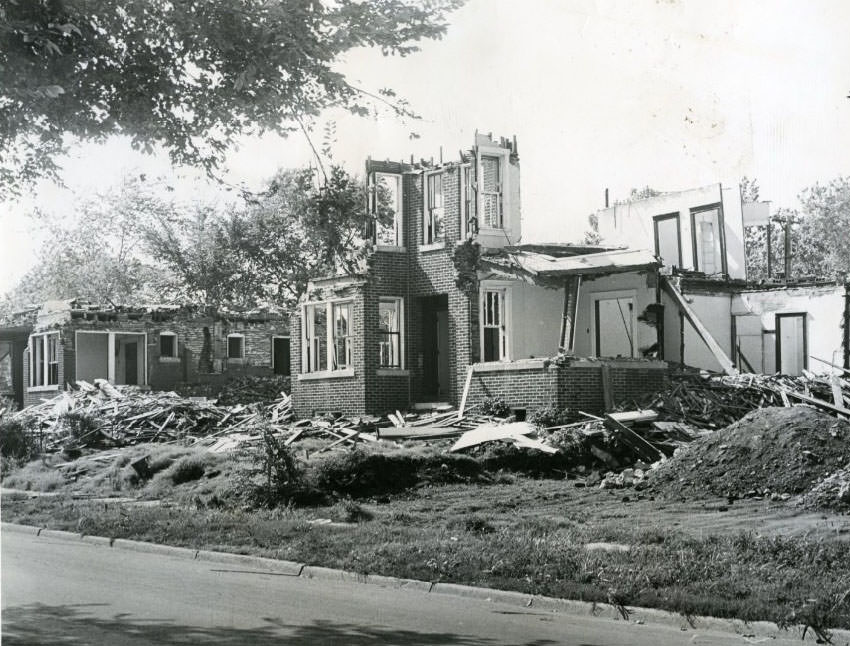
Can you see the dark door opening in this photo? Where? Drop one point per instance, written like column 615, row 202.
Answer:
column 435, row 346
column 280, row 356
column 131, row 363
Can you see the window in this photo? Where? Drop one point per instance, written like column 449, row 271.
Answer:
column 433, row 229
column 341, row 336
column 708, row 241
column 280, row 356
column 385, row 205
column 44, row 359
column 491, row 191
column 667, row 246
column 235, row 346
column 791, row 344
column 167, row 345
column 315, row 337
column 468, row 223
column 390, row 333
column 493, row 325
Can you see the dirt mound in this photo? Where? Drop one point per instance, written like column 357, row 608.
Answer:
column 777, row 452
column 833, row 492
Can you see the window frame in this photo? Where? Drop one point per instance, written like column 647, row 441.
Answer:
column 721, row 232
column 398, row 223
column 661, row 218
column 468, row 223
column 236, row 335
column 777, row 330
column 47, row 365
column 625, row 294
column 399, row 303
column 348, row 338
column 504, row 187
column 271, row 362
column 310, row 364
column 175, row 354
column 428, row 215
column 505, row 326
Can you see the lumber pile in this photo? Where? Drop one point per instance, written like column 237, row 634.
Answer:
column 716, row 401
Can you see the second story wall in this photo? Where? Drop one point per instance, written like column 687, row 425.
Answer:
column 697, row 230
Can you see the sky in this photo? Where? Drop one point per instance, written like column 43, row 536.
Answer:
column 615, row 94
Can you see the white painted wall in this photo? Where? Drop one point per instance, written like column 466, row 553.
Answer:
column 631, row 225
column 641, row 285
column 92, row 356
column 536, row 313
column 714, row 310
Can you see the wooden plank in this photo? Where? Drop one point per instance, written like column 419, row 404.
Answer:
column 644, row 449
column 607, row 388
column 837, row 395
column 466, row 386
column 722, row 358
column 634, row 416
column 819, row 402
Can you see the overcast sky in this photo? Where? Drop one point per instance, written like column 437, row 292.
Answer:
column 599, row 93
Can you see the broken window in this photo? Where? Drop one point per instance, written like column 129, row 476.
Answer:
column 342, row 336
column 315, row 337
column 433, row 229
column 491, row 191
column 469, row 226
column 167, row 344
column 44, row 359
column 708, row 257
column 791, row 344
column 389, row 330
column 235, row 346
column 493, row 325
column 385, row 205
column 667, row 246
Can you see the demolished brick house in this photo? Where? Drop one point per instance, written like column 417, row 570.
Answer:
column 453, row 308
column 160, row 347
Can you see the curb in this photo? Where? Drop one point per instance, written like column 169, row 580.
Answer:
column 637, row 615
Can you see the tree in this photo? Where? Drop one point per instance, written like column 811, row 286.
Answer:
column 189, row 75
column 265, row 253
column 97, row 254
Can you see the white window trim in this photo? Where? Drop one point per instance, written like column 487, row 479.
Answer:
column 110, row 352
column 436, row 243
column 42, row 339
column 169, row 358
column 241, row 357
column 327, row 370
column 464, row 192
column 504, row 176
column 504, row 287
column 399, row 301
column 398, row 226
column 601, row 296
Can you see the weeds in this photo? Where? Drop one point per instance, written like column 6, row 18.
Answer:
column 16, row 443
column 495, row 407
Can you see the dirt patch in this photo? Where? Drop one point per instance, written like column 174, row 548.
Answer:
column 776, row 452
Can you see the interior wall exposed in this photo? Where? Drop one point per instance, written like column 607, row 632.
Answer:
column 92, row 351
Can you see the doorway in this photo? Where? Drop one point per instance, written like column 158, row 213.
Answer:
column 280, row 356
column 791, row 344
column 435, row 346
column 615, row 326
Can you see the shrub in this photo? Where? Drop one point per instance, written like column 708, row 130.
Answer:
column 551, row 415
column 16, row 443
column 348, row 511
column 495, row 406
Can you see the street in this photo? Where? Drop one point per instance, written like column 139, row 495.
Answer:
column 71, row 592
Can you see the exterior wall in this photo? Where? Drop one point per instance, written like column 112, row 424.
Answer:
column 640, row 285
column 534, row 384
column 631, row 224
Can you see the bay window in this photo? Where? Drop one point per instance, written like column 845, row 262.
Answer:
column 327, row 332
column 44, row 360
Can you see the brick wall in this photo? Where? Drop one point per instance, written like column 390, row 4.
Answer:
column 577, row 386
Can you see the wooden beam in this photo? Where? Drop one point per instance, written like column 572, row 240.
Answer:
column 466, row 386
column 722, row 358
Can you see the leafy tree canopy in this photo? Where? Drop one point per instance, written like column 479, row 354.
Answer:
column 190, row 75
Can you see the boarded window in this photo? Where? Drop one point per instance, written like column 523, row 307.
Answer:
column 389, row 333
column 235, row 347
column 493, row 325
column 491, row 191
column 667, row 240
column 433, row 231
column 707, row 242
column 167, row 344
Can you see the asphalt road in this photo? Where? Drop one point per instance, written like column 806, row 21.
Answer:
column 59, row 591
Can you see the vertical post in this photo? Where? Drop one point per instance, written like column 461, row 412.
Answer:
column 769, row 251
column 788, row 249
column 847, row 326
column 110, row 357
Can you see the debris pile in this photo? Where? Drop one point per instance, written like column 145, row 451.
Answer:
column 833, row 492
column 771, row 452
column 717, row 401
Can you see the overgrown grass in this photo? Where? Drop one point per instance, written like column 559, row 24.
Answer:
column 502, row 536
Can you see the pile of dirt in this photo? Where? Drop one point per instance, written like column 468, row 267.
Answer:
column 774, row 452
column 833, row 492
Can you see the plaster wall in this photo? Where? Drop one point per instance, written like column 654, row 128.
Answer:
column 92, row 352
column 714, row 310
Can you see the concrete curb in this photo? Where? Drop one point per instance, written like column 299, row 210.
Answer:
column 524, row 600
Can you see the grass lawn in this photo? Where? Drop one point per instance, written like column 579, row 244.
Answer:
column 753, row 560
